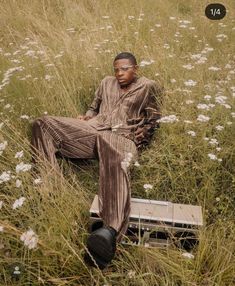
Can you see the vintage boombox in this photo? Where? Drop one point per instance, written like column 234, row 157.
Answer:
column 158, row 223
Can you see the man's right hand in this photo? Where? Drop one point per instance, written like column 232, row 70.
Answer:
column 84, row 117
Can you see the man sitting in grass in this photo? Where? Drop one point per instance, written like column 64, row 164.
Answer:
column 119, row 123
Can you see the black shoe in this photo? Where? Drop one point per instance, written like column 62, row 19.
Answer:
column 96, row 225
column 102, row 246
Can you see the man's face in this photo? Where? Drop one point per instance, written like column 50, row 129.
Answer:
column 125, row 71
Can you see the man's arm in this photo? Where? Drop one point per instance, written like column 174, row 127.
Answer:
column 93, row 110
column 152, row 112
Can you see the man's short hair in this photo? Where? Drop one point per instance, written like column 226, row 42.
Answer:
column 126, row 55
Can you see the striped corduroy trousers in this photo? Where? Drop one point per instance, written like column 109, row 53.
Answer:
column 75, row 138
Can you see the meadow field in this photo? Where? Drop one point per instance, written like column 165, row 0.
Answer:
column 53, row 55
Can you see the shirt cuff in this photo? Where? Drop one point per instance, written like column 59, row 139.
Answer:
column 91, row 113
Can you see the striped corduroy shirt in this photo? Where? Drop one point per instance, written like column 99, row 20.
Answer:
column 139, row 107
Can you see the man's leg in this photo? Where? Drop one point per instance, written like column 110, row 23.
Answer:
column 114, row 190
column 73, row 138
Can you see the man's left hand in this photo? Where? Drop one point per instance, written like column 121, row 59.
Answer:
column 140, row 133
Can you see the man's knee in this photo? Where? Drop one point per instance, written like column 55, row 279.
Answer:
column 39, row 122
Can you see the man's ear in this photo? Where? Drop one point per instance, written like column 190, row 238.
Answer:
column 136, row 68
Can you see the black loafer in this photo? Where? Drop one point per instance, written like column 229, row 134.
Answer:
column 102, row 246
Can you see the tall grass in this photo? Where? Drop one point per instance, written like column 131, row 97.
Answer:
column 65, row 48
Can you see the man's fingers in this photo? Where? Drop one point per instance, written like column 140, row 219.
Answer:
column 138, row 131
column 140, row 136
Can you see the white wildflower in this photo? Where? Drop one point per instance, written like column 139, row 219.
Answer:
column 29, row 238
column 188, row 66
column 213, row 142
column 206, row 138
column 18, row 203
column 196, row 56
column 18, row 183
column 227, row 106
column 126, row 161
column 48, row 77
column 1, row 228
column 24, row 116
column 214, row 68
column 189, row 101
column 30, row 53
column 148, row 186
column 202, row 60
column 23, row 167
column 233, row 114
column 188, row 121
column 137, row 164
column 125, row 165
column 220, row 37
column 188, row 255
column 228, row 66
column 219, row 127
column 173, row 80
column 146, row 63
column 229, row 123
column 105, row 17
column 190, row 82
column 220, row 99
column 217, row 199
column 207, row 97
column 5, row 176
column 19, row 154
column 203, row 106
column 218, row 149
column 168, row 119
column 203, row 118
column 37, row 181
column 7, row 106
column 3, row 146
column 212, row 156
column 192, row 133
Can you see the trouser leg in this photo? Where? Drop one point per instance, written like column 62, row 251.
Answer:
column 73, row 138
column 44, row 143
column 114, row 182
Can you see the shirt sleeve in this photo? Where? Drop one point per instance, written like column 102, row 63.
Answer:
column 93, row 110
column 152, row 113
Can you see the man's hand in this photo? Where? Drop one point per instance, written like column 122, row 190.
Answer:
column 84, row 117
column 140, row 133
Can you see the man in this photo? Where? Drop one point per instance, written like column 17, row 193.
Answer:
column 119, row 123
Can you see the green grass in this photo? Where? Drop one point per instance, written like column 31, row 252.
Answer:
column 176, row 164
